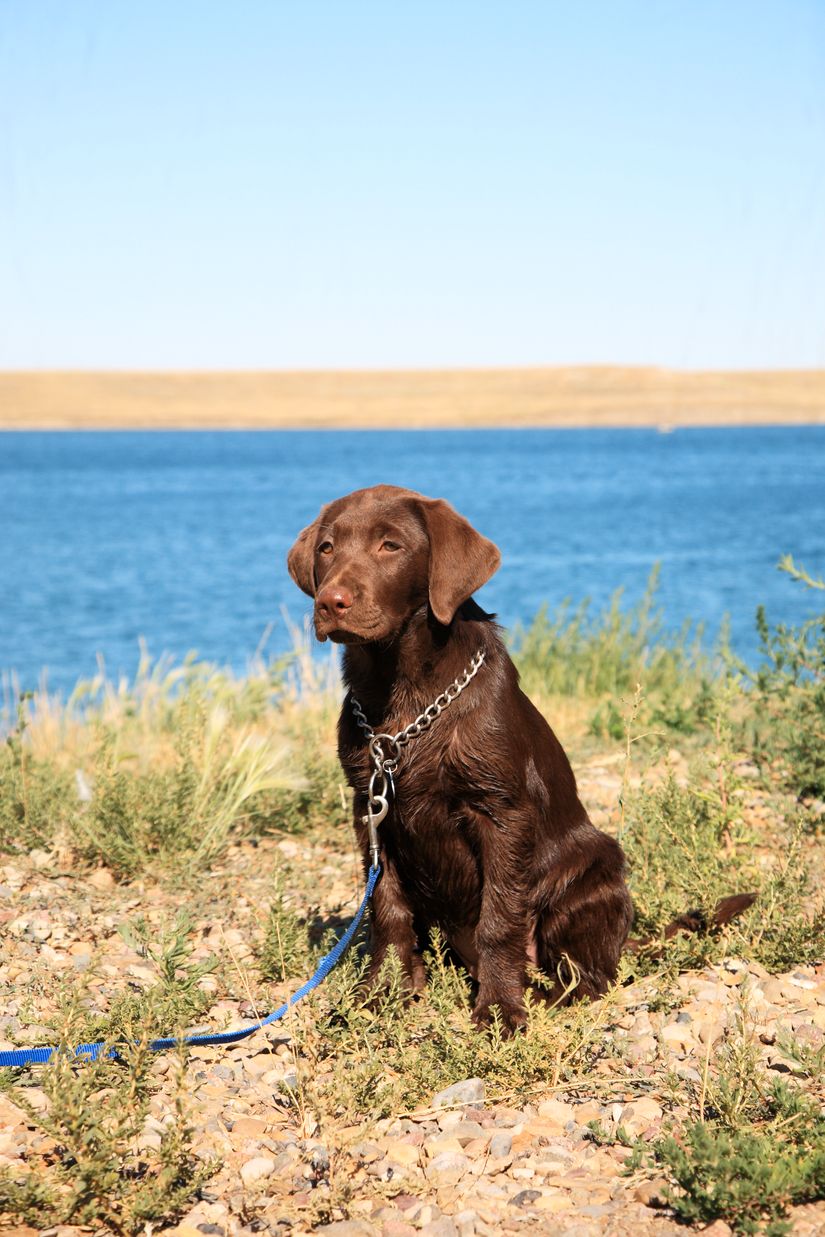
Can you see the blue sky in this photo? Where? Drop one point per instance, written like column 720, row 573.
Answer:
column 325, row 183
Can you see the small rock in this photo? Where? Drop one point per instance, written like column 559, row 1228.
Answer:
column 651, row 1192
column 525, row 1198
column 257, row 1169
column 249, row 1127
column 40, row 929
column 641, row 1050
column 441, row 1143
column 346, row 1228
column 367, row 1152
column 442, row 1227
column 449, row 1164
column 403, row 1153
column 470, row 1091
column 647, row 1107
column 811, row 1036
column 101, row 879
column 557, row 1111
column 774, row 991
column 405, row 1202
column 320, row 1160
column 466, row 1131
column 149, row 1142
column 677, row 1034
column 500, row 1146
column 465, row 1222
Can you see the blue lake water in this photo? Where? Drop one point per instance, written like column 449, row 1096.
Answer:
column 181, row 537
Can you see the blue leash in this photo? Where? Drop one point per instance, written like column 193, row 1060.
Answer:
column 91, row 1052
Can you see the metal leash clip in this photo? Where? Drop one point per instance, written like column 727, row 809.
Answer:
column 380, row 788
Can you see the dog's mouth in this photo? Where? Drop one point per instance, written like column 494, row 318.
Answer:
column 335, row 631
column 340, row 635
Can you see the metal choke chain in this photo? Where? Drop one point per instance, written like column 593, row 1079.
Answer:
column 385, row 750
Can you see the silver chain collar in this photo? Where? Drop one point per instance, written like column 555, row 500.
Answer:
column 385, row 749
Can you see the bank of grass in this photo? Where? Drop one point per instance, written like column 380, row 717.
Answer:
column 155, row 779
column 599, row 658
column 156, row 776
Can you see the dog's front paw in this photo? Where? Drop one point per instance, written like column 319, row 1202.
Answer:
column 508, row 1011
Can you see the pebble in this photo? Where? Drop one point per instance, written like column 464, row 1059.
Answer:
column 404, row 1153
column 470, row 1091
column 101, row 879
column 449, row 1164
column 257, row 1169
column 557, row 1111
column 442, row 1227
column 500, row 1146
column 651, row 1192
column 525, row 1198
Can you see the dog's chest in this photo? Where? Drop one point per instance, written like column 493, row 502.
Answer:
column 428, row 772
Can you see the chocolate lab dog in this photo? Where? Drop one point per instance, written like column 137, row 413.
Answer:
column 485, row 836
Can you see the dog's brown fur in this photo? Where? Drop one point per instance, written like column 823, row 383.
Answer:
column 487, row 839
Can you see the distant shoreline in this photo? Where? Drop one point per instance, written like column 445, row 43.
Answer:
column 564, row 397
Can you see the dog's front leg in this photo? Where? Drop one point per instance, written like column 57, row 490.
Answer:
column 502, row 931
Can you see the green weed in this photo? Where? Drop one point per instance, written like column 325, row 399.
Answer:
column 101, row 1168
column 34, row 793
column 785, row 723
column 755, row 1147
column 603, row 657
column 393, row 1054
column 285, row 951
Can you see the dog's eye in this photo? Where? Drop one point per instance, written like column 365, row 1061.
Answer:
column 325, row 547
column 390, row 545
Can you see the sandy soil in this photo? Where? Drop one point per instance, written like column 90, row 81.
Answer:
column 584, row 396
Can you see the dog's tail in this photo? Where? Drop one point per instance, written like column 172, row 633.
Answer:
column 696, row 921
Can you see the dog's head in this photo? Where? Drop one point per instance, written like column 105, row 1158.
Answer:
column 373, row 558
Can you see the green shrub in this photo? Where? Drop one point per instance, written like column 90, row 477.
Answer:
column 181, row 813
column 285, row 950
column 749, row 1175
column 786, row 720
column 687, row 847
column 97, row 1173
column 575, row 653
column 755, row 1147
column 36, row 797
column 392, row 1054
column 682, row 844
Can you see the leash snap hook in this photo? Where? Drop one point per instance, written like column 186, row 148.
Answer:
column 372, row 820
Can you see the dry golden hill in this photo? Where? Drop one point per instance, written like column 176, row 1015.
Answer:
column 569, row 396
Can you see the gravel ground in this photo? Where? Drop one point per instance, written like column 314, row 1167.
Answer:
column 461, row 1164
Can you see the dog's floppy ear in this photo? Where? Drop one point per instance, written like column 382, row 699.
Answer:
column 461, row 560
column 301, row 556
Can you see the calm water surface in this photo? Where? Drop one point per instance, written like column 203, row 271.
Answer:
column 181, row 537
